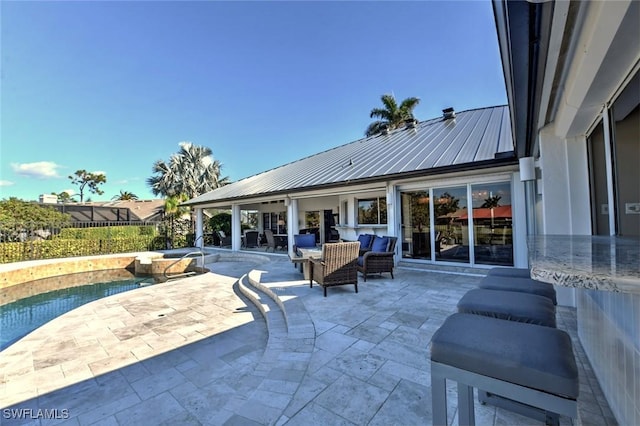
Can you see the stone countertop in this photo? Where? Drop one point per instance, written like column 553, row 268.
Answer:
column 585, row 261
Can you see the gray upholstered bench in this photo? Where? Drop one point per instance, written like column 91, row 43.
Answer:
column 510, row 272
column 524, row 285
column 527, row 363
column 509, row 305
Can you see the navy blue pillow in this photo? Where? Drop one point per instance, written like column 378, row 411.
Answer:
column 380, row 244
column 361, row 260
column 365, row 240
column 305, row 240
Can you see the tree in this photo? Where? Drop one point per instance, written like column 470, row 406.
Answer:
column 192, row 171
column 16, row 210
column 20, row 220
column 491, row 202
column 173, row 211
column 64, row 197
column 87, row 180
column 125, row 196
column 392, row 115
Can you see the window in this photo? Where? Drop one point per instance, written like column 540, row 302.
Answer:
column 372, row 211
column 277, row 222
column 312, row 220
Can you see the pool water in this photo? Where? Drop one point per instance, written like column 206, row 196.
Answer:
column 22, row 316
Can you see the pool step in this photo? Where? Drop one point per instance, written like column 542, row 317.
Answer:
column 179, row 275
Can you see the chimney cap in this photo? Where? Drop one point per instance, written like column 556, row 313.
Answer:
column 410, row 123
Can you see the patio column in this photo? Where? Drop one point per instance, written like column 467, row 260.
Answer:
column 236, row 229
column 391, row 211
column 199, row 237
column 292, row 223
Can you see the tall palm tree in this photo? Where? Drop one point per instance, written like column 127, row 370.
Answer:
column 191, row 172
column 492, row 202
column 392, row 115
column 125, row 196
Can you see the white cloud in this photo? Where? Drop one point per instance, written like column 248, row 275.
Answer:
column 38, row 170
column 6, row 183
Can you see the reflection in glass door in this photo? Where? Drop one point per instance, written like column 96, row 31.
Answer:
column 492, row 224
column 416, row 225
column 451, row 224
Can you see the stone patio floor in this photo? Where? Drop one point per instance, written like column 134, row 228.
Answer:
column 251, row 344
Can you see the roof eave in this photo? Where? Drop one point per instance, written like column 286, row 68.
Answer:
column 523, row 24
column 478, row 165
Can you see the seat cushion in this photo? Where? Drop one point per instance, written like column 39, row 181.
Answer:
column 525, row 354
column 510, row 272
column 365, row 240
column 380, row 244
column 361, row 260
column 524, row 285
column 509, row 305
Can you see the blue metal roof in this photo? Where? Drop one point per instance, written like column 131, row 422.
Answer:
column 473, row 136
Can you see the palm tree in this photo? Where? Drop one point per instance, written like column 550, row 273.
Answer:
column 492, row 202
column 392, row 116
column 172, row 211
column 191, row 172
column 125, row 196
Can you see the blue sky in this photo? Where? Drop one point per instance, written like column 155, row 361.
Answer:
column 115, row 86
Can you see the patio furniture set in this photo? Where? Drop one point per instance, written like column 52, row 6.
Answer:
column 338, row 263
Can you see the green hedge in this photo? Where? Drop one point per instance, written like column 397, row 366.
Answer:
column 59, row 247
column 107, row 232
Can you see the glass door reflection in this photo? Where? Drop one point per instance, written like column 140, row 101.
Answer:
column 416, row 225
column 492, row 224
column 451, row 224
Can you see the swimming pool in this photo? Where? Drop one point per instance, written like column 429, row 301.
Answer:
column 52, row 297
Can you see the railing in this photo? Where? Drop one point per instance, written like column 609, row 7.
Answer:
column 182, row 274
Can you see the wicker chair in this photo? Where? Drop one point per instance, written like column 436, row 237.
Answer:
column 338, row 266
column 378, row 262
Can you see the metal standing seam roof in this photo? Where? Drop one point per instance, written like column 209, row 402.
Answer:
column 474, row 136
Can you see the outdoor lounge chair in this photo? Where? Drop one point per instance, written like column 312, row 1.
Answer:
column 272, row 244
column 224, row 240
column 380, row 258
column 303, row 241
column 251, row 239
column 365, row 242
column 338, row 266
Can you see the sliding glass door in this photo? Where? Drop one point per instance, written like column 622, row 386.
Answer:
column 452, row 224
column 492, row 223
column 435, row 224
column 416, row 225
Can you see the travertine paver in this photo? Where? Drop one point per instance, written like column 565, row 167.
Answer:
column 197, row 353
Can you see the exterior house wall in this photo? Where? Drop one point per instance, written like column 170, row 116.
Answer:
column 565, row 202
column 608, row 323
column 561, row 76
